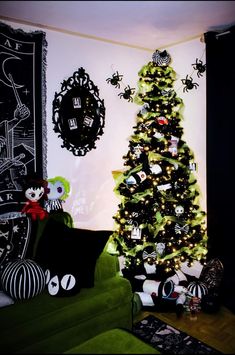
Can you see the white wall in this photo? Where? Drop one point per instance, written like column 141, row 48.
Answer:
column 92, row 201
column 194, row 123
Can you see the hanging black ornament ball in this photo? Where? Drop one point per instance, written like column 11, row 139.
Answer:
column 210, row 303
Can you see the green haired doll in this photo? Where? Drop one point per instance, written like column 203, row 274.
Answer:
column 58, row 189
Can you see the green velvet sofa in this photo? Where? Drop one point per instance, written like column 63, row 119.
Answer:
column 47, row 324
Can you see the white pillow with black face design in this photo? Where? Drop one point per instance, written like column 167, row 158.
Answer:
column 63, row 286
column 5, row 300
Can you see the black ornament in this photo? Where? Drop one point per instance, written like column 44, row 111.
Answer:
column 200, row 67
column 116, row 78
column 188, row 82
column 127, row 94
column 78, row 113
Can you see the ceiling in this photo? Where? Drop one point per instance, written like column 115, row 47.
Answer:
column 147, row 25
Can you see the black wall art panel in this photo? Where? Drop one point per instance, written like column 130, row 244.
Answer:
column 22, row 113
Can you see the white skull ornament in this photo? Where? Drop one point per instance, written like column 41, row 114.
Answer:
column 179, row 210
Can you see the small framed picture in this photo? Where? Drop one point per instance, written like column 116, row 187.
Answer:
column 192, row 166
column 88, row 121
column 77, row 102
column 136, row 233
column 72, row 123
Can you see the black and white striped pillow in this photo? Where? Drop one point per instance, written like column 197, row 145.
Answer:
column 23, row 279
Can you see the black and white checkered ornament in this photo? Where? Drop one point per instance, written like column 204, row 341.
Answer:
column 161, row 58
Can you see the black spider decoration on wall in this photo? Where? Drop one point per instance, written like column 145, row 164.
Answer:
column 127, row 94
column 200, row 67
column 116, row 78
column 189, row 85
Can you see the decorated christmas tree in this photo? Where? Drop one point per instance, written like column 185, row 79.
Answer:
column 159, row 207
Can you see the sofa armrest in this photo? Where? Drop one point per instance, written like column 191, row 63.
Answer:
column 107, row 266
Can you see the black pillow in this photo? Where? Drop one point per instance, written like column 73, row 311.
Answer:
column 70, row 251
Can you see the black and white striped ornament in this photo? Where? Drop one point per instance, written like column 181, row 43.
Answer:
column 197, row 289
column 161, row 58
column 23, row 279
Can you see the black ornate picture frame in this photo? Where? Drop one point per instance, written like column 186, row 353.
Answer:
column 78, row 113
